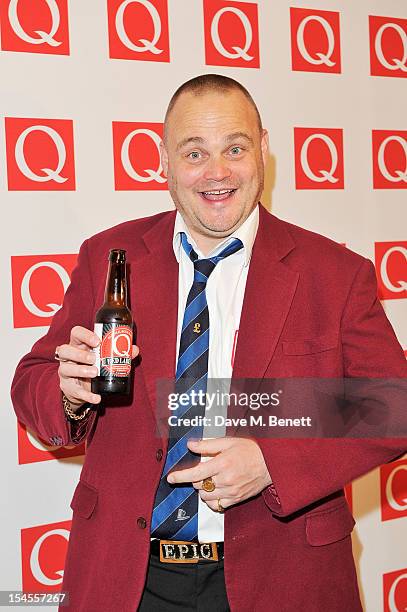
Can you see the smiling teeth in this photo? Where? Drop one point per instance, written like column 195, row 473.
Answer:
column 219, row 192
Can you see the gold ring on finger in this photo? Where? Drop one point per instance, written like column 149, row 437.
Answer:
column 220, row 507
column 58, row 358
column 208, row 485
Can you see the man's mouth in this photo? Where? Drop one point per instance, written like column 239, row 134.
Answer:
column 216, row 195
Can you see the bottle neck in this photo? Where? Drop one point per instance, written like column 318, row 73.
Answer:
column 116, row 285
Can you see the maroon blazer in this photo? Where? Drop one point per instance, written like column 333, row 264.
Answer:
column 310, row 309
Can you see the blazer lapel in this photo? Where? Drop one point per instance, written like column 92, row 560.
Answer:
column 154, row 299
column 270, row 289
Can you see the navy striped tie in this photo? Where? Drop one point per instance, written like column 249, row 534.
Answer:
column 175, row 514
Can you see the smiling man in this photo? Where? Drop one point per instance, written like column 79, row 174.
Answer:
column 189, row 518
column 214, row 154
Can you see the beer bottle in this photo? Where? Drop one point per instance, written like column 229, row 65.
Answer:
column 114, row 326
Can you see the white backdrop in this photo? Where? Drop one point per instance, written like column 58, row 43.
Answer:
column 76, row 79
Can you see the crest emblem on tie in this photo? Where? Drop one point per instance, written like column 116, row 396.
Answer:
column 182, row 515
column 197, row 328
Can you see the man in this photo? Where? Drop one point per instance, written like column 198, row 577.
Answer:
column 278, row 505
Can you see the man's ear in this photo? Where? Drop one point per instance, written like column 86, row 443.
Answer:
column 265, row 145
column 164, row 158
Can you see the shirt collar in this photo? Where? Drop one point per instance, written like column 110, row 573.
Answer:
column 246, row 233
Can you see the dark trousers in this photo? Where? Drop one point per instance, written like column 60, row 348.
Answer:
column 198, row 587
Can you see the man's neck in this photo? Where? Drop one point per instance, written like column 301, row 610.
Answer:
column 206, row 244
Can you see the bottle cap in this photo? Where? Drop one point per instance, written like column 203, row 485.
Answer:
column 117, row 256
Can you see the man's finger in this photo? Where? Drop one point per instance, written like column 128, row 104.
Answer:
column 134, row 351
column 78, row 394
column 211, row 446
column 224, row 502
column 75, row 370
column 199, row 472
column 218, row 492
column 66, row 352
column 82, row 336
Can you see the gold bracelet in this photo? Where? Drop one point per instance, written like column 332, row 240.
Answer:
column 70, row 413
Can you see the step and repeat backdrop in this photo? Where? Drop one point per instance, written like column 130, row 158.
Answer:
column 84, row 88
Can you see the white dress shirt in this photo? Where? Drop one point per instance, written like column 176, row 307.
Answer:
column 224, row 294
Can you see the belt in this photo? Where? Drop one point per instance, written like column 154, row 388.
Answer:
column 178, row 551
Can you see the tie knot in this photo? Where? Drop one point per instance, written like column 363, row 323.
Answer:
column 203, row 268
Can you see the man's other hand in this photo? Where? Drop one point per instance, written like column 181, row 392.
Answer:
column 237, row 468
column 76, row 367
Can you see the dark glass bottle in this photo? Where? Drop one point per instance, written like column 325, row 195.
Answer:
column 114, row 325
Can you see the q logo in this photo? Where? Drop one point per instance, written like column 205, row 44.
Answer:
column 125, row 341
column 318, row 158
column 36, row 568
column 231, row 34
column 48, row 174
column 43, row 551
column 137, row 162
column 395, row 491
column 40, row 154
column 315, row 40
column 389, row 150
column 39, row 284
column 388, row 46
column 391, row 269
column 138, row 30
column 238, row 52
column 26, row 296
column 32, row 449
column 38, row 26
column 395, row 591
column 149, row 174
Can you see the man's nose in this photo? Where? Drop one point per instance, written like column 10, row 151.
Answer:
column 217, row 169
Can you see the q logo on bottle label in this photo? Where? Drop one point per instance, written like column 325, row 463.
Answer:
column 113, row 355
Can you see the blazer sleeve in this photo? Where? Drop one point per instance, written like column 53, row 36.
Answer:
column 307, row 470
column 35, row 390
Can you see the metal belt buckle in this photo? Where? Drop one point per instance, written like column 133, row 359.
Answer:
column 178, row 551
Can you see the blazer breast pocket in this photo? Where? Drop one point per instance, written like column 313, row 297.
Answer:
column 310, row 346
column 84, row 500
column 328, row 526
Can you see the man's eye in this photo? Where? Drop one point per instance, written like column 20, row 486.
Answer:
column 194, row 155
column 236, row 150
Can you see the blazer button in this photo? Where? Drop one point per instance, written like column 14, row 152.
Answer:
column 141, row 522
column 159, row 454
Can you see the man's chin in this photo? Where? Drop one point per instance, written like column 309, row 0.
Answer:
column 214, row 231
column 222, row 226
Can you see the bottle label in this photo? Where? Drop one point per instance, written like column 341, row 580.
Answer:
column 113, row 355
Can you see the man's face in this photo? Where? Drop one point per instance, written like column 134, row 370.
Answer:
column 214, row 157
